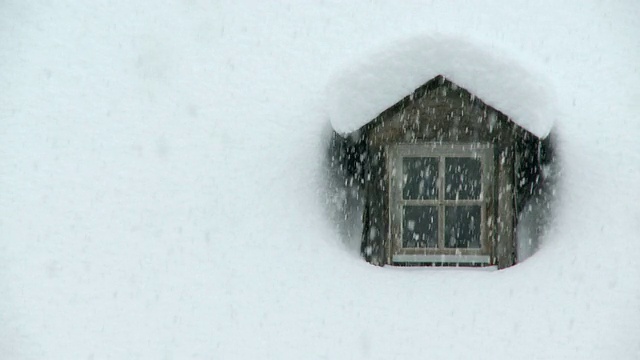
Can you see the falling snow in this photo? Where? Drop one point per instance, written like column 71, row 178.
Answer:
column 165, row 192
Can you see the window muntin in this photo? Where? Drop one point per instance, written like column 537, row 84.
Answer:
column 438, row 200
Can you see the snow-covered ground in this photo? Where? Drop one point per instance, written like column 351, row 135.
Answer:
column 163, row 180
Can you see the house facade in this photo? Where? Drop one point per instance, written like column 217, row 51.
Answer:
column 444, row 177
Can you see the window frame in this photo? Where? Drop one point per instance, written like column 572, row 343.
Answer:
column 398, row 254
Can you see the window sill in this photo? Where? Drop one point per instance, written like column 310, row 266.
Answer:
column 461, row 259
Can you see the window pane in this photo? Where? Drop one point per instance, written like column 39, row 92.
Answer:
column 462, row 227
column 420, row 226
column 463, row 178
column 420, row 177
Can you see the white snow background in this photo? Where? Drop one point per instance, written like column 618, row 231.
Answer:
column 163, row 180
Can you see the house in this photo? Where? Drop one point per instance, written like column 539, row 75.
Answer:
column 444, row 177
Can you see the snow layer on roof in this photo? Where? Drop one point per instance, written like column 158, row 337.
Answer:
column 365, row 88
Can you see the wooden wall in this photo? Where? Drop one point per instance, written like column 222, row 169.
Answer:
column 439, row 112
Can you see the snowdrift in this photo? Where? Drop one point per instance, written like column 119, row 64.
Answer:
column 163, row 184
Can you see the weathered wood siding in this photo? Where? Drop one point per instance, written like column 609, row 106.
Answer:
column 439, row 112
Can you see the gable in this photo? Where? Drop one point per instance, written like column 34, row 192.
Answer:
column 439, row 111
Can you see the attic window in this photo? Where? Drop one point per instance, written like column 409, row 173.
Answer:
column 442, row 178
column 438, row 202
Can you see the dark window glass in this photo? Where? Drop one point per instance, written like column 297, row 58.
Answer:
column 463, row 179
column 420, row 226
column 420, row 178
column 462, row 227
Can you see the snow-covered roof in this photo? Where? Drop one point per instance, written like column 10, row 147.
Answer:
column 365, row 88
